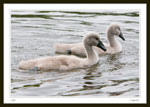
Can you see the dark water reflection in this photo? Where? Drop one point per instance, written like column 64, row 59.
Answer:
column 33, row 34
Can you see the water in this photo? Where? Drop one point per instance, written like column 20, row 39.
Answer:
column 33, row 34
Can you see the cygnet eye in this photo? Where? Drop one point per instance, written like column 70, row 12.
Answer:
column 96, row 38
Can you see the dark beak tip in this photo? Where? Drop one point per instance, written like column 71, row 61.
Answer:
column 123, row 38
column 100, row 45
column 104, row 49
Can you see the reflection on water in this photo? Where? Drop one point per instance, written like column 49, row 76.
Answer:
column 33, row 34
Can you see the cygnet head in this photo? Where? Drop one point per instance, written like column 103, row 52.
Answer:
column 114, row 29
column 92, row 39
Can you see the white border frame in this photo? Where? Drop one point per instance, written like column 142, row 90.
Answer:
column 7, row 59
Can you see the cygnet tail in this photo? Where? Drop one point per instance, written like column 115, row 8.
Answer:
column 27, row 64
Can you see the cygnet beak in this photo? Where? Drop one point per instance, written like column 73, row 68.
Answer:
column 121, row 36
column 100, row 45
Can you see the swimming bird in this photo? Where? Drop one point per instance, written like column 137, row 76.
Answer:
column 113, row 46
column 67, row 62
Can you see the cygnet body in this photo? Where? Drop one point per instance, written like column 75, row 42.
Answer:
column 113, row 46
column 64, row 62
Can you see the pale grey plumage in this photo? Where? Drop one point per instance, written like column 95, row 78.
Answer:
column 64, row 62
column 112, row 45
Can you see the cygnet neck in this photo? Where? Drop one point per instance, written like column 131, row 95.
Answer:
column 111, row 39
column 90, row 52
